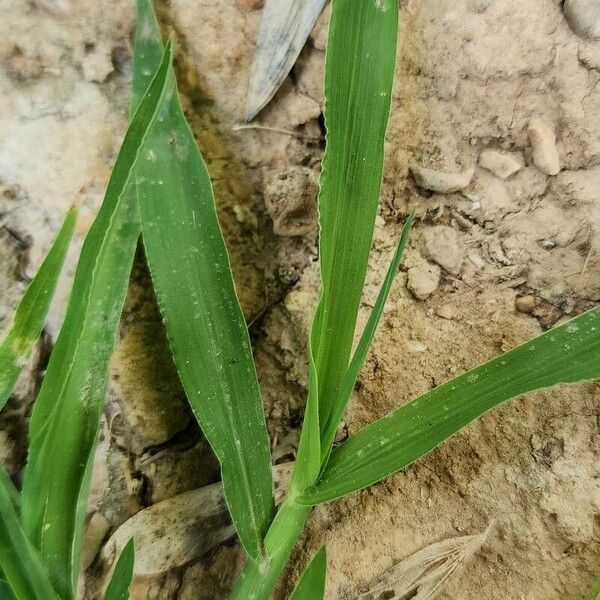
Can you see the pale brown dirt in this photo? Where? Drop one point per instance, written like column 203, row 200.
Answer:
column 520, row 254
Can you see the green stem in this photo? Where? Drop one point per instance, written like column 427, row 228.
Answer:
column 259, row 579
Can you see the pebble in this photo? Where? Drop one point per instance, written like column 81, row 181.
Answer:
column 525, row 304
column 444, row 247
column 423, row 279
column 543, row 144
column 583, row 17
column 501, row 164
column 413, row 346
column 441, row 182
column 446, row 311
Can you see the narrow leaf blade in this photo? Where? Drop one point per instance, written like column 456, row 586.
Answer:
column 22, row 570
column 10, row 489
column 358, row 359
column 311, row 585
column 359, row 73
column 566, row 354
column 207, row 332
column 66, row 415
column 120, row 582
column 308, row 459
column 28, row 320
column 147, row 52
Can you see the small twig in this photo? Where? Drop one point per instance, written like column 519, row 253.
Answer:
column 297, row 134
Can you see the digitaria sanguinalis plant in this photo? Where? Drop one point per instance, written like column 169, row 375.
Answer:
column 160, row 188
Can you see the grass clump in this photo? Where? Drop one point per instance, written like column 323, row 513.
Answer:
column 160, row 187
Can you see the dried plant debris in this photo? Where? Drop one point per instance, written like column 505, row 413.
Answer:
column 423, row 574
column 173, row 532
column 284, row 28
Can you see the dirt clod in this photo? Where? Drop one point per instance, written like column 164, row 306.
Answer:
column 291, row 200
column 444, row 246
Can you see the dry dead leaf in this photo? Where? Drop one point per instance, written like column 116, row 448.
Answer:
column 285, row 26
column 422, row 575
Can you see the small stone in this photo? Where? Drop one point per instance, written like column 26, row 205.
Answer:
column 441, row 182
column 444, row 247
column 446, row 311
column 95, row 532
column 583, row 17
column 423, row 279
column 543, row 144
column 501, row 164
column 525, row 304
column 291, row 200
column 414, row 346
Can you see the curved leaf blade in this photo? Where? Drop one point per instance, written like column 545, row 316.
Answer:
column 28, row 320
column 359, row 73
column 66, row 415
column 566, row 354
column 311, row 585
column 120, row 582
column 204, row 322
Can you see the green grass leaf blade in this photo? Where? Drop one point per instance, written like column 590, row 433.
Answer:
column 66, row 415
column 566, row 354
column 25, row 577
column 311, row 585
column 207, row 332
column 28, row 320
column 118, row 588
column 147, row 51
column 341, row 401
column 359, row 73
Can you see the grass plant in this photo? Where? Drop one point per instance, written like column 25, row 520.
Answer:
column 160, row 187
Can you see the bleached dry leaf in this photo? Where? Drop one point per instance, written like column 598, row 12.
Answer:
column 175, row 531
column 422, row 575
column 284, row 28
